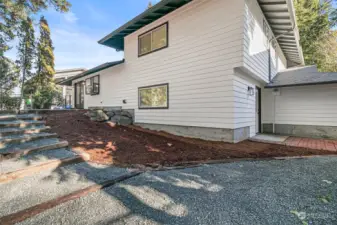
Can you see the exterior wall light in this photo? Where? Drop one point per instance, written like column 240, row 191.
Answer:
column 124, row 101
column 250, row 91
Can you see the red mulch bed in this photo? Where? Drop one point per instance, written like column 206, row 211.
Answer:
column 125, row 145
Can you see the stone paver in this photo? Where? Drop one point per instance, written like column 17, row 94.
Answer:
column 322, row 144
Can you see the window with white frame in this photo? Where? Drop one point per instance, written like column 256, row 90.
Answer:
column 153, row 97
column 153, row 40
column 92, row 85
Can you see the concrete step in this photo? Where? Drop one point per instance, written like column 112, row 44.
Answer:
column 34, row 159
column 4, row 132
column 13, row 117
column 21, row 123
column 46, row 185
column 23, row 138
column 18, row 150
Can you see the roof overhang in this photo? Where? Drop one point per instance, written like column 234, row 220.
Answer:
column 116, row 38
column 68, row 82
column 282, row 20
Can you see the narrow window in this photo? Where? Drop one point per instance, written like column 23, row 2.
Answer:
column 266, row 33
column 153, row 97
column 95, row 85
column 153, row 40
column 92, row 85
column 88, row 88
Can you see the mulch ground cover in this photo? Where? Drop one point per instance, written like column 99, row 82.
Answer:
column 121, row 145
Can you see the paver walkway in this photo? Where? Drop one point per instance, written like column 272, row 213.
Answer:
column 310, row 143
column 322, row 144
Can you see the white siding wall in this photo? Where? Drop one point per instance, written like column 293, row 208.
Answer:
column 255, row 49
column 244, row 104
column 307, row 105
column 205, row 44
column 255, row 60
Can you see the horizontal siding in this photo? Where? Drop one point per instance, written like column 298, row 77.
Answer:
column 205, row 44
column 256, row 56
column 244, row 104
column 310, row 105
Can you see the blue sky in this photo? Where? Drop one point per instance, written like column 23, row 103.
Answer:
column 75, row 34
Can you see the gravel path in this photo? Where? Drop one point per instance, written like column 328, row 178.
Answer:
column 267, row 192
column 29, row 191
column 33, row 159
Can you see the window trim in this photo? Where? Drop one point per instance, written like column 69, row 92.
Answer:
column 156, row 85
column 167, row 39
column 92, row 93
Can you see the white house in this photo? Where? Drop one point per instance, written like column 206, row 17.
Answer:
column 209, row 69
column 67, row 91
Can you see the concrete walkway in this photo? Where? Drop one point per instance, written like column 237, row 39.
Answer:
column 301, row 191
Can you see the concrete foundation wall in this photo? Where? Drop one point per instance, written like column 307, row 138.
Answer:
column 212, row 134
column 328, row 132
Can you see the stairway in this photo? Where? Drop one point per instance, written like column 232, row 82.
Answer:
column 39, row 170
column 26, row 145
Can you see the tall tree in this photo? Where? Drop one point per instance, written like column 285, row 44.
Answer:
column 315, row 20
column 12, row 12
column 26, row 51
column 45, row 56
column 9, row 78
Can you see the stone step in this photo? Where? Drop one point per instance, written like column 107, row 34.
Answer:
column 46, row 185
column 28, row 130
column 23, row 138
column 21, row 123
column 19, row 150
column 12, row 117
column 34, row 159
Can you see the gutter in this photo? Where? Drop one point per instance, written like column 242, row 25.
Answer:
column 302, row 84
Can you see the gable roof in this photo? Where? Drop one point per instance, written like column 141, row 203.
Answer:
column 91, row 71
column 301, row 76
column 282, row 20
column 162, row 8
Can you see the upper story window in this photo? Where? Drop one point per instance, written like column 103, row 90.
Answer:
column 266, row 33
column 92, row 85
column 153, row 40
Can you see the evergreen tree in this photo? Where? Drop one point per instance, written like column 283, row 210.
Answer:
column 26, row 51
column 45, row 56
column 13, row 12
column 9, row 79
column 315, row 19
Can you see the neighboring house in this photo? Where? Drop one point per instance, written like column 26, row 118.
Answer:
column 67, row 91
column 207, row 68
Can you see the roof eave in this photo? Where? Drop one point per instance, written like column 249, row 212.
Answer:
column 291, row 8
column 155, row 12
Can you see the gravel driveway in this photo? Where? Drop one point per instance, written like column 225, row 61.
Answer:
column 301, row 191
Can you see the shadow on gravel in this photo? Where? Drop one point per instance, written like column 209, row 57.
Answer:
column 145, row 202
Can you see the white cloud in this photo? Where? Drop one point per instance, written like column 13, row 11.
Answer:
column 70, row 17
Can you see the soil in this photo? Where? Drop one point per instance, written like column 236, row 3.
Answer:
column 131, row 145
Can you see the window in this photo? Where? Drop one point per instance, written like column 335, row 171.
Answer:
column 92, row 85
column 266, row 33
column 153, row 40
column 153, row 97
